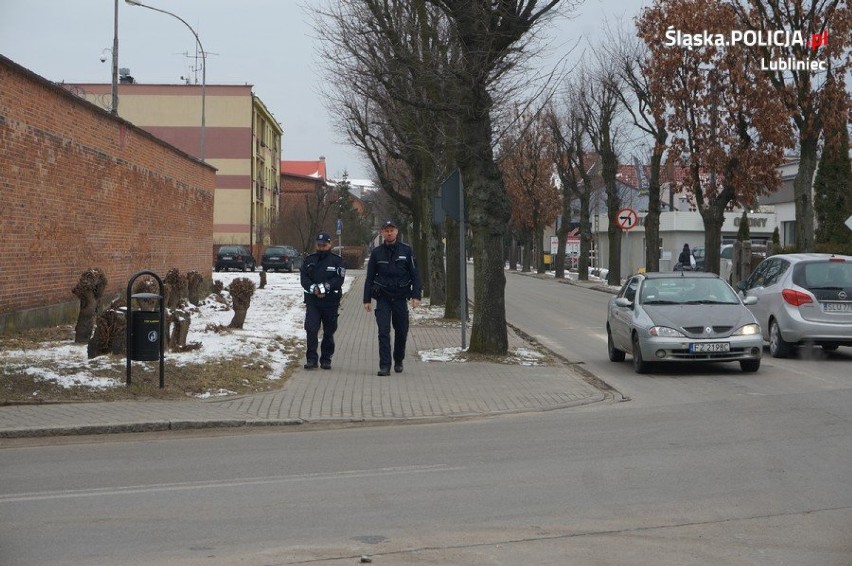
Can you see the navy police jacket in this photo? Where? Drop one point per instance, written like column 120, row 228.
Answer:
column 392, row 273
column 323, row 269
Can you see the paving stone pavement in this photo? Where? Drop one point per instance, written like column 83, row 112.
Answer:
column 349, row 392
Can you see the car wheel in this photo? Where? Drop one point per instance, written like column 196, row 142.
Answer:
column 750, row 366
column 830, row 347
column 218, row 269
column 615, row 355
column 778, row 347
column 639, row 365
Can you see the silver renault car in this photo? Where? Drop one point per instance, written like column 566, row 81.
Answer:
column 802, row 299
column 683, row 316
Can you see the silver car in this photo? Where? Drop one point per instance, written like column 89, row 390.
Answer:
column 802, row 299
column 688, row 316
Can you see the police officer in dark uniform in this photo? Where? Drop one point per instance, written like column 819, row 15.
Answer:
column 322, row 275
column 392, row 279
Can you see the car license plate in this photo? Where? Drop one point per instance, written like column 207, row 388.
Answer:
column 710, row 347
column 837, row 307
column 227, row 257
column 275, row 258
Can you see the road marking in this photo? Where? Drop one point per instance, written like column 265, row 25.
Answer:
column 218, row 484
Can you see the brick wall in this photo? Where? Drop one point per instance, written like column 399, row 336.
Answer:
column 80, row 188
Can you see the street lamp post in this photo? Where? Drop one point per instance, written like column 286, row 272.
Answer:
column 203, row 63
column 114, row 108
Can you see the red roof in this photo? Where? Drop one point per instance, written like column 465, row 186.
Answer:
column 304, row 168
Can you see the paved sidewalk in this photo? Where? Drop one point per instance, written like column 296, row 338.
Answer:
column 349, row 392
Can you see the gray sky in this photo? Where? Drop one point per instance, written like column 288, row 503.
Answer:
column 266, row 43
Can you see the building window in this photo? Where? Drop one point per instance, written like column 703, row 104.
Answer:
column 788, row 233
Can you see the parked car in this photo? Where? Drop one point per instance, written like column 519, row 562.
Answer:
column 234, row 257
column 277, row 258
column 802, row 298
column 686, row 316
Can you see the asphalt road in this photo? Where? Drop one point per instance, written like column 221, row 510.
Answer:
column 571, row 321
column 719, row 468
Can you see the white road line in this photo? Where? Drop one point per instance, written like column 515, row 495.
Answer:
column 218, row 484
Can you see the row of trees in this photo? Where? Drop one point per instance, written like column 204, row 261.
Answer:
column 434, row 85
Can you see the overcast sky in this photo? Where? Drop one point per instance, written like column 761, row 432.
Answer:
column 266, row 43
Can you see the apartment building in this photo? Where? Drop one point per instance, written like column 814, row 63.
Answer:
column 241, row 139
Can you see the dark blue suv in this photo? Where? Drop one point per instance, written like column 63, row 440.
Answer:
column 234, row 257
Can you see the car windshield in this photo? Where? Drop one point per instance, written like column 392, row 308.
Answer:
column 687, row 291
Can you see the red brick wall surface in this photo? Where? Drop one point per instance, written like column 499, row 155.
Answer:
column 80, row 188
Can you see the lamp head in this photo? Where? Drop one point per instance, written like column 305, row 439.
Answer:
column 103, row 58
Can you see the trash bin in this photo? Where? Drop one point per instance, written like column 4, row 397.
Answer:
column 146, row 336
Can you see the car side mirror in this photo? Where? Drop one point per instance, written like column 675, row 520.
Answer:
column 622, row 302
column 750, row 300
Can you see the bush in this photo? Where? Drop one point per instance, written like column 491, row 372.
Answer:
column 353, row 257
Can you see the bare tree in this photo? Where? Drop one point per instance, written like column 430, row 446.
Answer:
column 525, row 162
column 305, row 215
column 492, row 37
column 648, row 113
column 600, row 104
column 399, row 51
column 577, row 166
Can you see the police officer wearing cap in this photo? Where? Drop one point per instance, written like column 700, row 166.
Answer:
column 392, row 279
column 322, row 275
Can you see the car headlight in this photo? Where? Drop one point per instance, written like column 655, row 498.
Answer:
column 748, row 330
column 665, row 332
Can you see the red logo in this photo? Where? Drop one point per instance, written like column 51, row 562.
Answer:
column 818, row 40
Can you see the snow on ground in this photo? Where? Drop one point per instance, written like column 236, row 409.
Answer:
column 276, row 313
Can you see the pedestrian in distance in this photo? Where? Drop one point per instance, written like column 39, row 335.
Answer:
column 686, row 259
column 322, row 274
column 392, row 279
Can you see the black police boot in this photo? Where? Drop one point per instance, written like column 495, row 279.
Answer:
column 311, row 365
column 397, row 367
column 383, row 371
column 325, row 365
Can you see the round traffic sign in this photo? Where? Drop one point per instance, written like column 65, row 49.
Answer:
column 626, row 218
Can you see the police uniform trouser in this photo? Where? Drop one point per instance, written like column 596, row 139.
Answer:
column 325, row 314
column 392, row 311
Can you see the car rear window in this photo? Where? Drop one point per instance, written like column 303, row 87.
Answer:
column 823, row 274
column 275, row 251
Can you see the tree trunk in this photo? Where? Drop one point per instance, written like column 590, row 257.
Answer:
column 488, row 205
column 86, row 318
column 194, row 281
column 652, row 219
column 803, row 193
column 437, row 269
column 713, row 217
column 609, row 168
column 452, row 306
column 488, row 332
column 240, row 311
